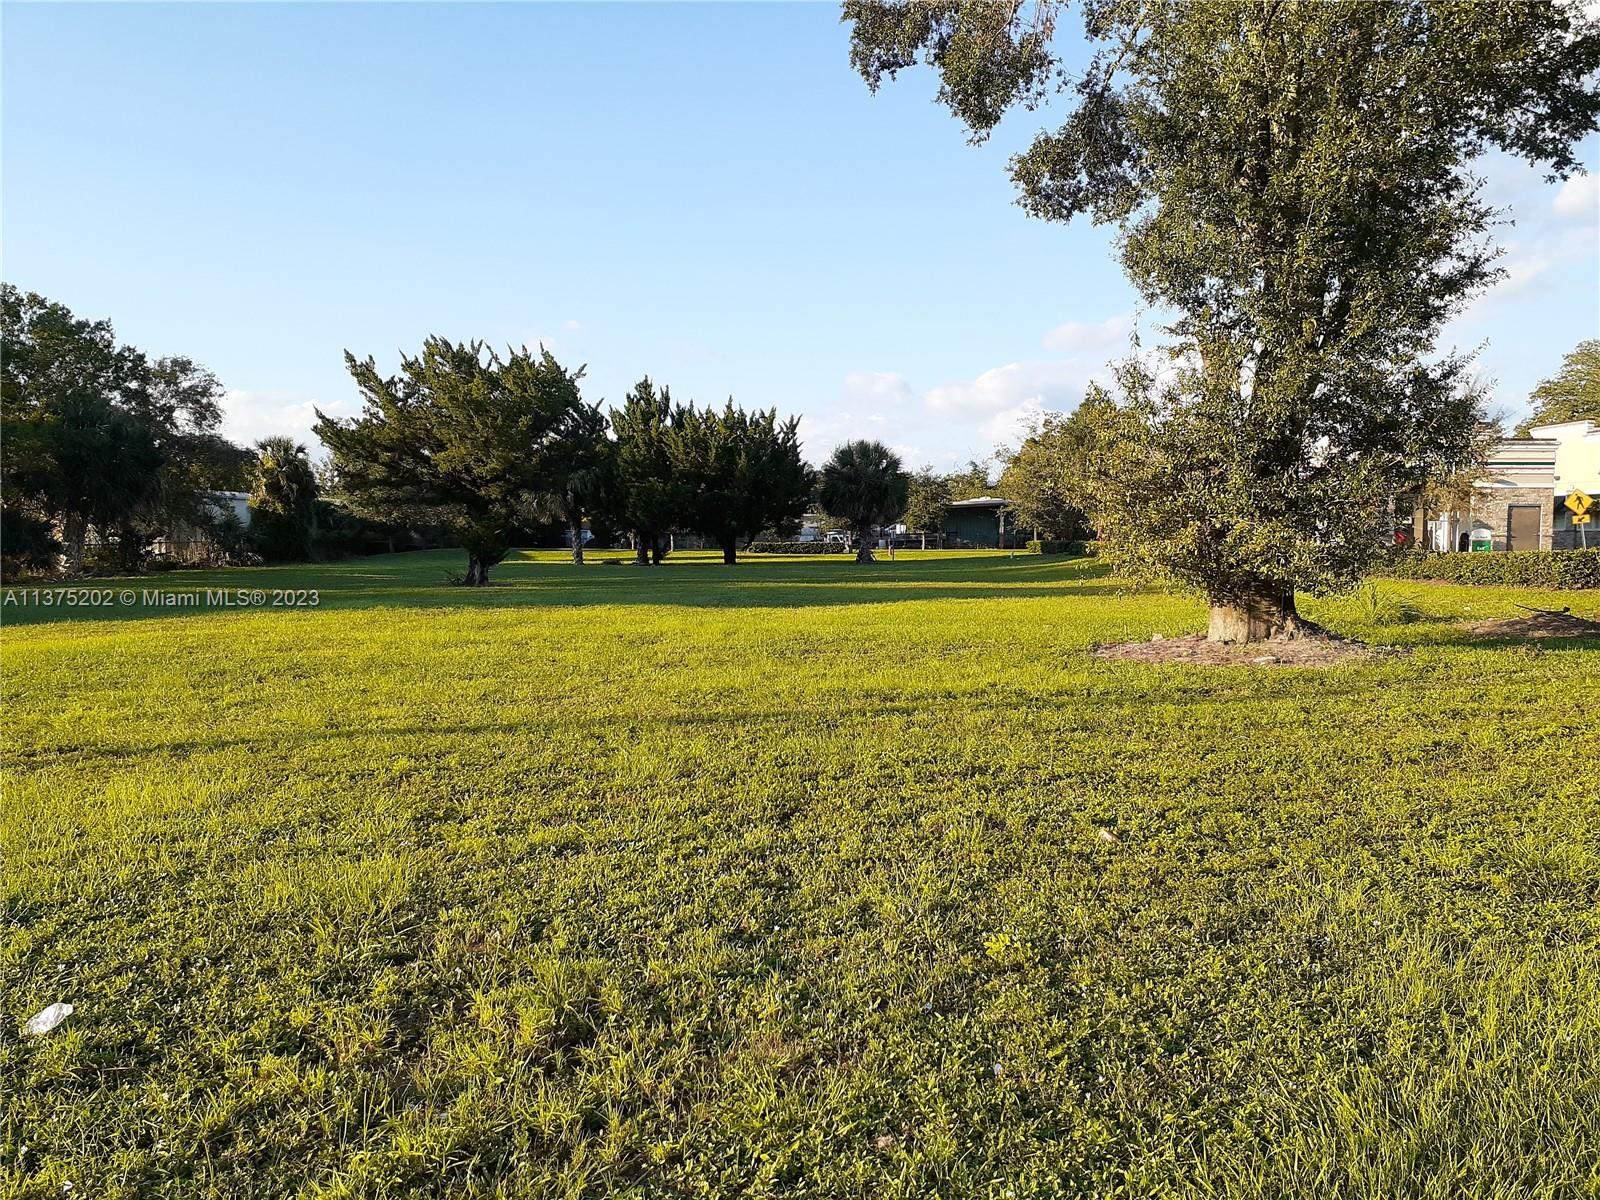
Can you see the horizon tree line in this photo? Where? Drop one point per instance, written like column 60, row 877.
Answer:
column 470, row 446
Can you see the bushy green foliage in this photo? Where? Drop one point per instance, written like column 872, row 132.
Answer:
column 100, row 437
column 463, row 436
column 1057, row 546
column 28, row 543
column 1047, row 478
column 970, row 482
column 283, row 501
column 803, row 880
column 741, row 472
column 927, row 498
column 582, row 474
column 1296, row 183
column 1572, row 394
column 648, row 499
column 816, row 546
column 1514, row 568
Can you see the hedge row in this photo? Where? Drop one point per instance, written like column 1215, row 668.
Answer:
column 1506, row 568
column 1055, row 547
column 817, row 547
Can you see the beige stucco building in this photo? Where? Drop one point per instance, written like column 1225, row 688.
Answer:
column 1577, row 467
column 1520, row 503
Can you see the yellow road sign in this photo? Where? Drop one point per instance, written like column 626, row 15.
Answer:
column 1579, row 501
column 1584, row 519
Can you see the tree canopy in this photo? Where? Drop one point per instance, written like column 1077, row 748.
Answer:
column 740, row 473
column 100, row 437
column 1047, row 478
column 1294, row 181
column 461, row 436
column 927, row 498
column 283, row 500
column 649, row 496
column 583, row 474
column 970, row 482
column 1572, row 394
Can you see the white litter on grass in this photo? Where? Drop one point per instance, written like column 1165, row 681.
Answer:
column 46, row 1019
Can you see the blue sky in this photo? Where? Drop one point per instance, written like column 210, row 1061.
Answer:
column 703, row 193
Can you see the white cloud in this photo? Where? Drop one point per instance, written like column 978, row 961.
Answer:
column 876, row 389
column 1054, row 384
column 1526, row 260
column 876, row 404
column 249, row 416
column 1090, row 335
column 1579, row 199
column 1010, row 425
column 947, row 425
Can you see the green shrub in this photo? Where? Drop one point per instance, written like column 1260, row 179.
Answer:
column 817, row 547
column 1515, row 568
column 1049, row 546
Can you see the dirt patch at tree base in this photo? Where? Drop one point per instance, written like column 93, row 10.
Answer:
column 1537, row 625
column 1275, row 652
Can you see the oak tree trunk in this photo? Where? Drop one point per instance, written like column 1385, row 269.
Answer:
column 1257, row 615
column 730, row 551
column 658, row 551
column 641, row 549
column 477, row 572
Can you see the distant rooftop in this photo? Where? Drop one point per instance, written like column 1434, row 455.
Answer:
column 979, row 502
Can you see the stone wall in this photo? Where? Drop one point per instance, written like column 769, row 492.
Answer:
column 1490, row 508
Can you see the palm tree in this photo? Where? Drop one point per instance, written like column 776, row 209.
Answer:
column 283, row 501
column 863, row 485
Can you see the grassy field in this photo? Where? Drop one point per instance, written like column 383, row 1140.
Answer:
column 792, row 879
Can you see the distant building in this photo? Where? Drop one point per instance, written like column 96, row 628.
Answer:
column 1577, row 467
column 1520, row 502
column 982, row 522
column 194, row 543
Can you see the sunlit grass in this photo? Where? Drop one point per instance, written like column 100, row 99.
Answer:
column 792, row 878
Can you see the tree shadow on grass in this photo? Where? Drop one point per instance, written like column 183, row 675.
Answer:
column 1462, row 639
column 1110, row 689
column 416, row 581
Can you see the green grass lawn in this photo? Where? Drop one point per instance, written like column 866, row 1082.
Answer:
column 790, row 879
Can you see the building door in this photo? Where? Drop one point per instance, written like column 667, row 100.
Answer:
column 1522, row 527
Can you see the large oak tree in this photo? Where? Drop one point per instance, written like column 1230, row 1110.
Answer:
column 100, row 437
column 1293, row 180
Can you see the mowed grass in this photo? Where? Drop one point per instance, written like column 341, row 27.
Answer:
column 792, row 879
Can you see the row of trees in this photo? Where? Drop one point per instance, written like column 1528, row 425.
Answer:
column 487, row 444
column 474, row 447
column 109, row 452
column 105, row 446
